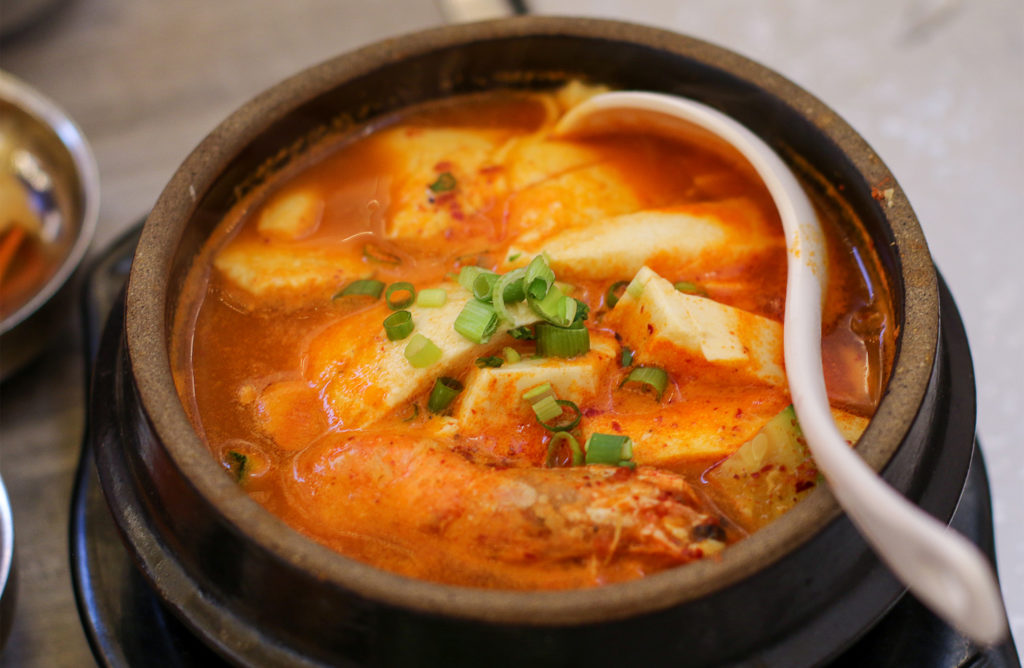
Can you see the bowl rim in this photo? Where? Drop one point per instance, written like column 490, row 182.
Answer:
column 146, row 323
column 87, row 176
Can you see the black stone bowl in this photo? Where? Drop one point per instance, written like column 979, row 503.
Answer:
column 795, row 593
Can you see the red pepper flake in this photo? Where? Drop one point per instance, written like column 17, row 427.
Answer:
column 617, row 427
column 650, row 328
column 878, row 190
column 803, row 485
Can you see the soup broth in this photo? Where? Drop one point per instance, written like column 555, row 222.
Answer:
column 462, row 349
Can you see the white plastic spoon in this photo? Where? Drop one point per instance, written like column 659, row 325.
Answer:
column 942, row 568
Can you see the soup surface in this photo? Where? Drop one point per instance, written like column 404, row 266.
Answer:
column 462, row 349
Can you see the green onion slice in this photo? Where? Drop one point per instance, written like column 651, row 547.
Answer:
column 536, row 393
column 398, row 325
column 614, row 293
column 443, row 394
column 238, row 465
column 539, row 277
column 690, row 288
column 627, row 356
column 445, row 182
column 468, row 274
column 509, row 288
column 574, row 446
column 614, row 449
column 550, row 307
column 653, row 376
column 492, row 362
column 375, row 253
column 431, row 297
column 477, row 321
column 549, row 409
column 483, row 285
column 512, row 355
column 413, row 415
column 400, row 287
column 421, row 351
column 546, row 408
column 561, row 341
column 369, row 287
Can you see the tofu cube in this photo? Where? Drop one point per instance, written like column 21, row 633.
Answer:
column 688, row 334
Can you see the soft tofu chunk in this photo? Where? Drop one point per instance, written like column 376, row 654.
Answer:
column 263, row 268
column 495, row 394
column 698, row 432
column 420, row 156
column 573, row 199
column 693, row 433
column 361, row 375
column 291, row 215
column 686, row 334
column 691, row 238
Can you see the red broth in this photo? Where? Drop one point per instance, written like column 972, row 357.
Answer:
column 326, row 422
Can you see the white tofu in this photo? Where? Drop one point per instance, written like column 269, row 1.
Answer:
column 494, row 395
column 361, row 375
column 291, row 215
column 573, row 199
column 692, row 238
column 698, row 433
column 419, row 156
column 676, row 331
column 261, row 268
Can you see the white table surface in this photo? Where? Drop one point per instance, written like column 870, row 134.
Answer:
column 935, row 86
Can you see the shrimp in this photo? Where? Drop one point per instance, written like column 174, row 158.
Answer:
column 425, row 510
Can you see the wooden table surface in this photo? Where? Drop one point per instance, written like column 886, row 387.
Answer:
column 937, row 86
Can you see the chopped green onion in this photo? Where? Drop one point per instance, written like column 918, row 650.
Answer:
column 551, row 307
column 614, row 449
column 546, row 408
column 524, row 333
column 553, row 412
column 483, row 285
column 369, row 287
column 375, row 253
column 690, row 288
column 477, row 321
column 432, row 297
column 398, row 325
column 468, row 274
column 492, row 362
column 509, row 288
column 539, row 277
column 422, row 352
column 415, row 413
column 614, row 293
column 445, row 182
column 512, row 355
column 574, row 446
column 443, row 394
column 238, row 464
column 535, row 394
column 653, row 376
column 627, row 356
column 400, row 287
column 567, row 309
column 635, row 289
column 513, row 257
column 560, row 341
